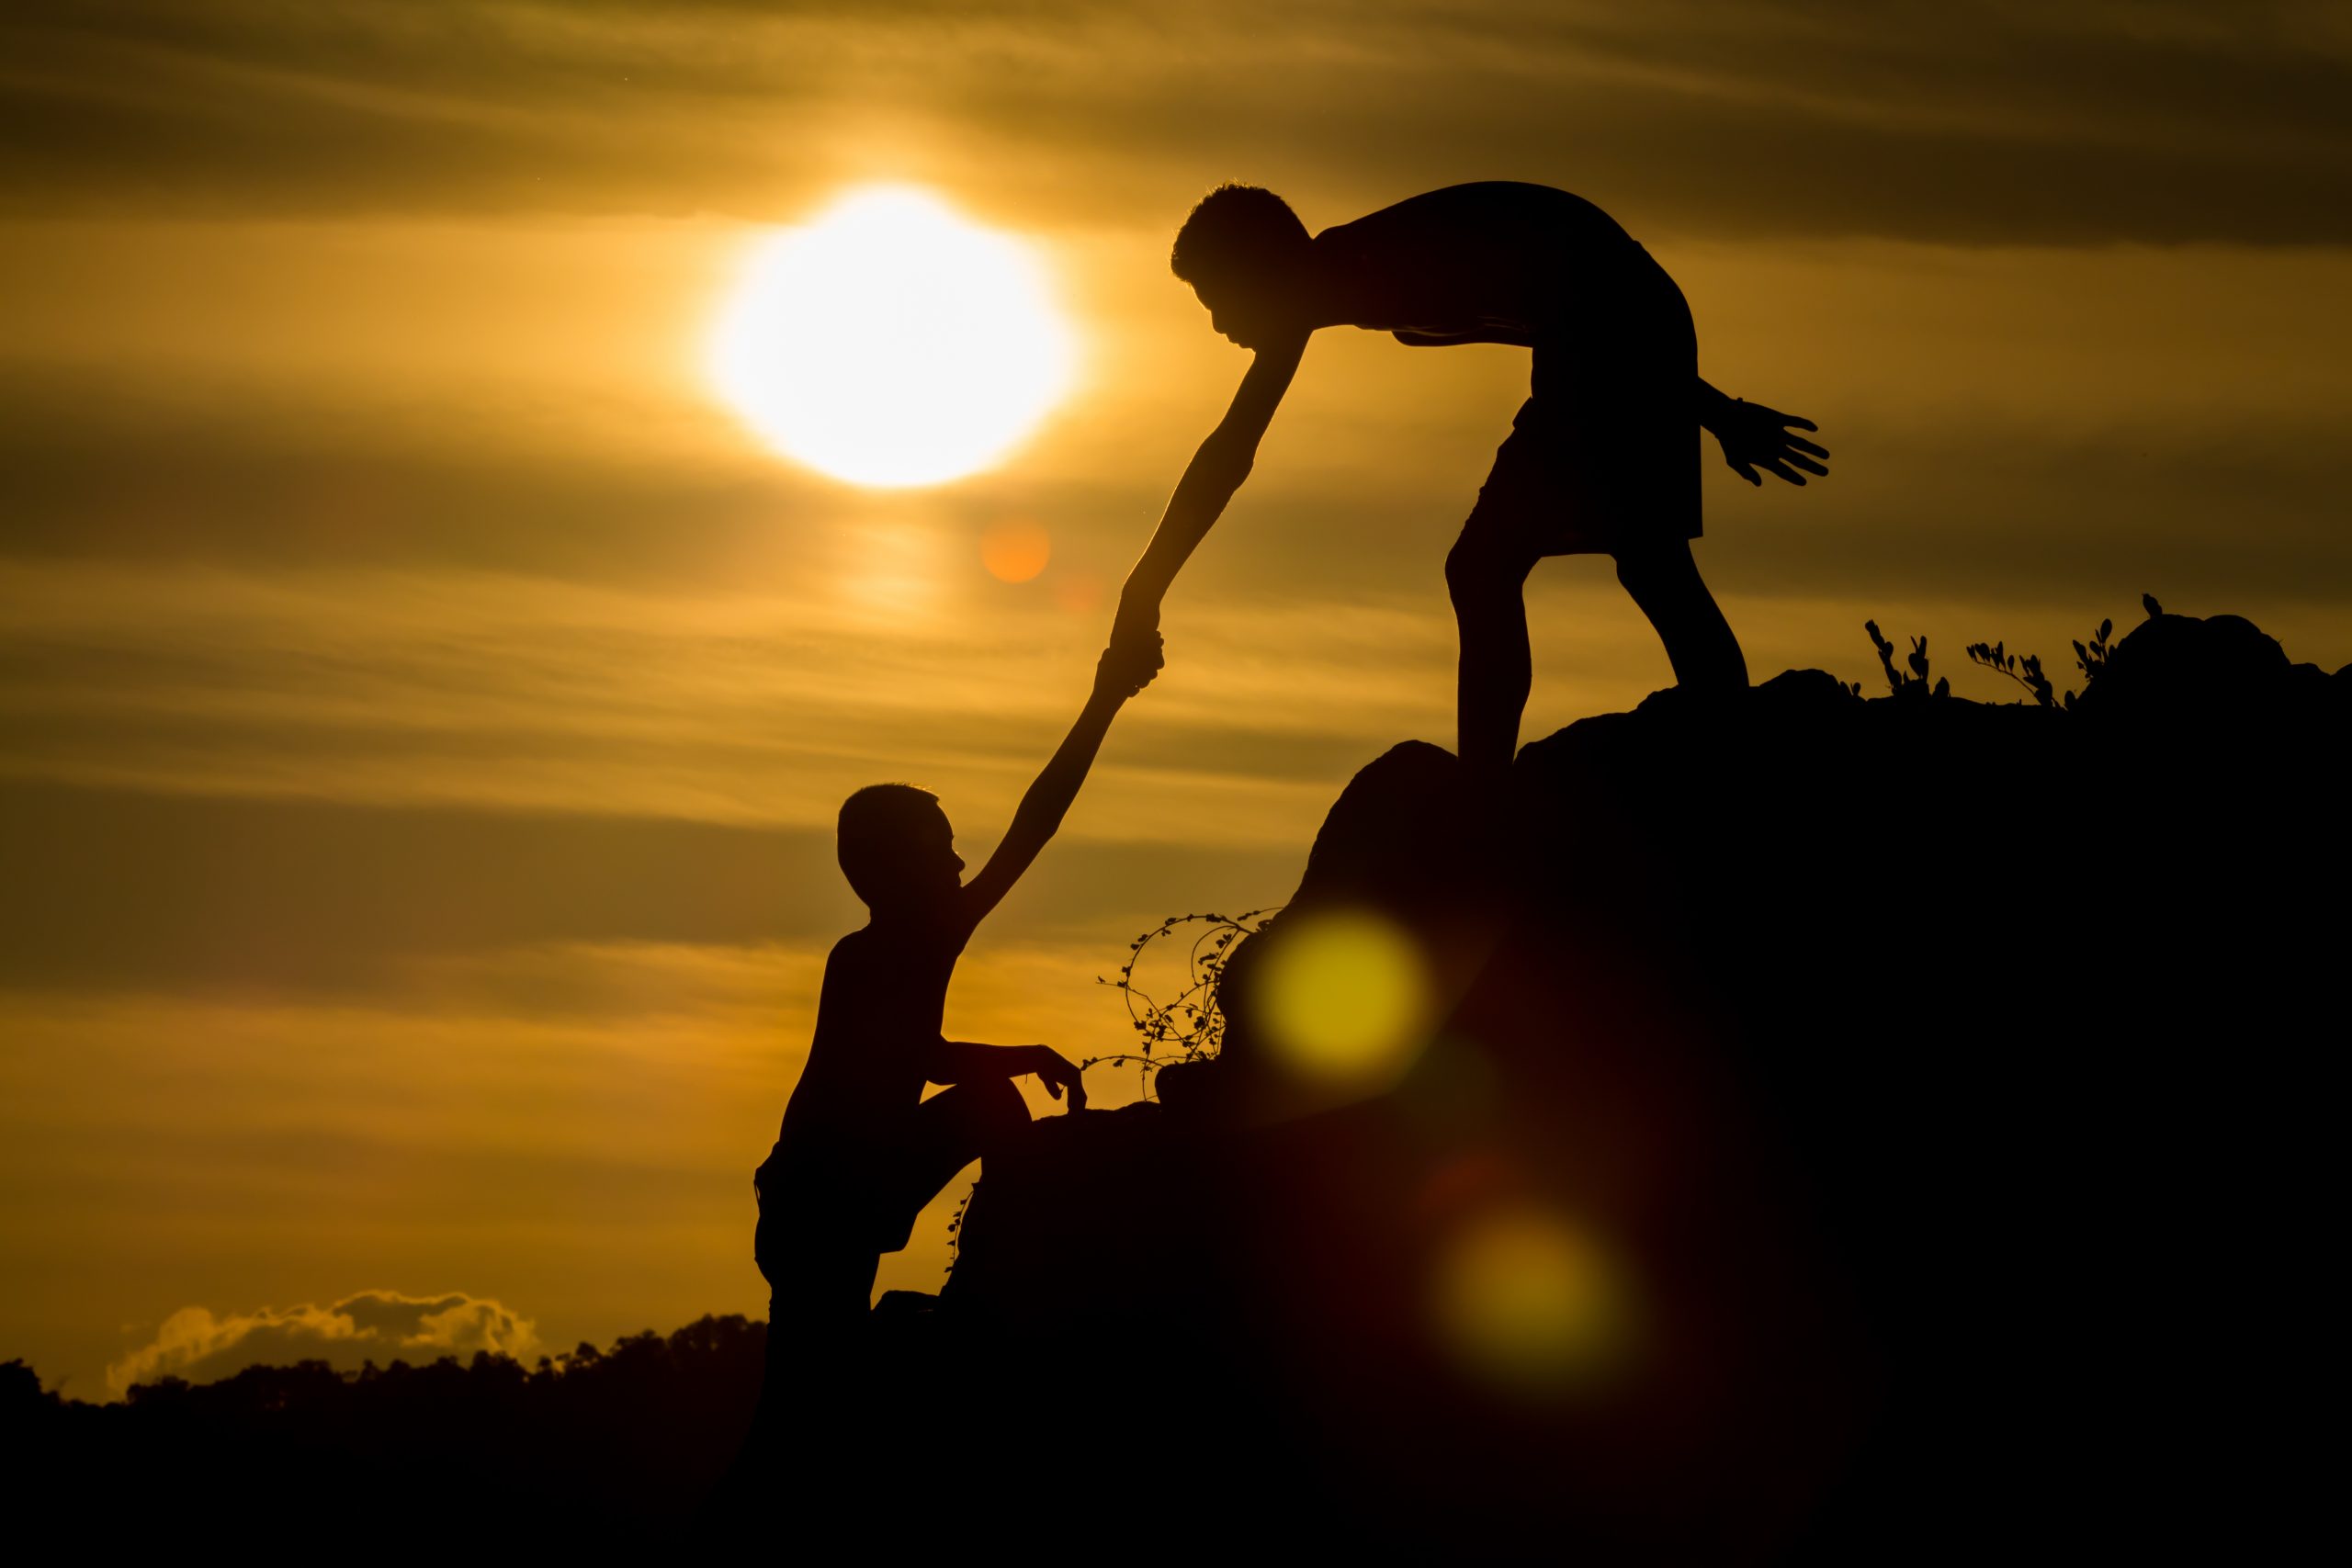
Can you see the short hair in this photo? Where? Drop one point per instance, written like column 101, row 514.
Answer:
column 875, row 822
column 1236, row 230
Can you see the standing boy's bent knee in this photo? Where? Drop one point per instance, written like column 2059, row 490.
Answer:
column 1662, row 565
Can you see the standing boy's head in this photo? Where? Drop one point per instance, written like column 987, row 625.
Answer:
column 898, row 848
column 1249, row 260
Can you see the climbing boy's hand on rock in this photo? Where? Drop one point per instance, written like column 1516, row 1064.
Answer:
column 1057, row 1073
column 1755, row 437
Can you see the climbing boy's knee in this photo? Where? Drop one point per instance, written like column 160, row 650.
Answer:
column 984, row 1111
column 996, row 1104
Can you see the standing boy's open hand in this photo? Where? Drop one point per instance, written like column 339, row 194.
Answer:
column 1755, row 437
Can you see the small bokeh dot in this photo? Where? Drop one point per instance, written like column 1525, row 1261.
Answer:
column 1016, row 550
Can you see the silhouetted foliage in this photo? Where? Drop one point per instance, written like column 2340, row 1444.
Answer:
column 596, row 1446
column 1188, row 1027
column 2090, row 657
column 2092, row 660
column 1911, row 681
column 2025, row 670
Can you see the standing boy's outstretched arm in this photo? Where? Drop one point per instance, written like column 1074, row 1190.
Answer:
column 1215, row 471
column 1119, row 675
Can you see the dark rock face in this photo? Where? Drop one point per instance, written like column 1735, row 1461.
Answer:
column 2182, row 665
column 1943, row 1082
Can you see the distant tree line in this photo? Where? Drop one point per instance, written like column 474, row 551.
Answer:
column 596, row 1446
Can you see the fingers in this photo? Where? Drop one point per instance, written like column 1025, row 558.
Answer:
column 1058, row 1072
column 1741, row 470
column 1774, row 465
column 1808, row 464
column 1802, row 444
column 1778, row 418
column 1133, row 665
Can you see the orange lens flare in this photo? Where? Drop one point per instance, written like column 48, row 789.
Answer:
column 1015, row 551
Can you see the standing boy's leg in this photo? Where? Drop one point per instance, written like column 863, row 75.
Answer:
column 1664, row 581
column 1487, row 578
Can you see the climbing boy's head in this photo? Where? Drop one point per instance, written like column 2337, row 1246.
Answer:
column 1248, row 256
column 896, row 847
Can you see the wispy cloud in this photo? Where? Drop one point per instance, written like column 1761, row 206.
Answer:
column 201, row 1346
column 1971, row 121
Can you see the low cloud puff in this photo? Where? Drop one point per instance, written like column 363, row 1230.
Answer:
column 378, row 1326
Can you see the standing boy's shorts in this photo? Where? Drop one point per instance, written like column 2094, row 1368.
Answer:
column 1603, row 458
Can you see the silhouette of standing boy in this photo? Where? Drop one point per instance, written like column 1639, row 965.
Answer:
column 1603, row 458
column 861, row 1151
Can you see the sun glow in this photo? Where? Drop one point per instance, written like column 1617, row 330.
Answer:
column 891, row 343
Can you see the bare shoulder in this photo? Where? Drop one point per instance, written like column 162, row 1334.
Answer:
column 850, row 959
column 1480, row 202
column 1497, row 216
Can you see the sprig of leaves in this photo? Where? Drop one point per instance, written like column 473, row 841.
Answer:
column 2092, row 660
column 1187, row 1027
column 1911, row 682
column 956, row 1228
column 2091, row 657
column 2025, row 670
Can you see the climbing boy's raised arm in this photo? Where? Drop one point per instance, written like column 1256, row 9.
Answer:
column 1119, row 675
column 1215, row 471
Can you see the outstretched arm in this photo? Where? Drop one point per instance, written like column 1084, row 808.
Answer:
column 1754, row 436
column 1215, row 471
column 967, row 1061
column 1118, row 675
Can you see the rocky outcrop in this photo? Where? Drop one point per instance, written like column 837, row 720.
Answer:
column 1940, row 1085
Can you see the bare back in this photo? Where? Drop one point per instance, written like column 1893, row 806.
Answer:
column 1497, row 257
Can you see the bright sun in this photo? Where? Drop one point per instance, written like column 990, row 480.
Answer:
column 890, row 343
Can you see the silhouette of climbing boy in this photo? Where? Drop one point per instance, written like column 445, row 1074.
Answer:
column 1601, row 459
column 861, row 1151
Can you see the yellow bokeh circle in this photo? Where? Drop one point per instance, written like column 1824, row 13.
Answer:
column 1345, row 999
column 1530, row 1302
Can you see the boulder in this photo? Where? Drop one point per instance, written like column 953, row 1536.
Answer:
column 1869, row 1121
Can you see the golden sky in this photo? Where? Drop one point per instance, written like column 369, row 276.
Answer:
column 425, row 702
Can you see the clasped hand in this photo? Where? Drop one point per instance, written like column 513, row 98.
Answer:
column 1133, row 657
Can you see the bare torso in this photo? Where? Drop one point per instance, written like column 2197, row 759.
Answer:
column 885, row 995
